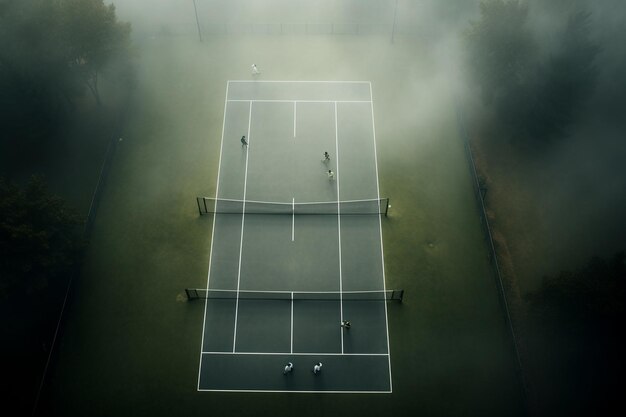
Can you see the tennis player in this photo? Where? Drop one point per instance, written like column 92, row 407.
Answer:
column 288, row 368
column 317, row 368
column 331, row 174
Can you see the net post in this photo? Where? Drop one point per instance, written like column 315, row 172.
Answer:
column 187, row 292
column 396, row 295
column 386, row 206
column 205, row 209
column 198, row 202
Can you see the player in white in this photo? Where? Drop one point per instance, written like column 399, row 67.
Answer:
column 317, row 368
column 288, row 368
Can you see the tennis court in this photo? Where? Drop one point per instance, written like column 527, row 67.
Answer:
column 294, row 250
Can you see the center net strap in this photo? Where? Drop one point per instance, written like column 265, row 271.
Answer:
column 227, row 206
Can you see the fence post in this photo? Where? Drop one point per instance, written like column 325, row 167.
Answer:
column 393, row 28
column 197, row 21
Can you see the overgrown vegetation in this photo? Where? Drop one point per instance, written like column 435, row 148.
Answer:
column 536, row 93
column 40, row 237
column 51, row 52
column 578, row 316
column 544, row 80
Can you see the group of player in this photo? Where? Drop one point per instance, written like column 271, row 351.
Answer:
column 317, row 368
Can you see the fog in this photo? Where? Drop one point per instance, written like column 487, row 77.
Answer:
column 576, row 182
column 582, row 169
column 556, row 200
column 546, row 128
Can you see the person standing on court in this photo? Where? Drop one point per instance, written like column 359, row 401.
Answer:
column 331, row 174
column 255, row 70
column 317, row 368
column 326, row 157
column 244, row 142
column 345, row 324
column 288, row 368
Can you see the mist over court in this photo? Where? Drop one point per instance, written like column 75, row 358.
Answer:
column 471, row 232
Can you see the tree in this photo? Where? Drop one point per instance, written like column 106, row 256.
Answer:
column 35, row 84
column 595, row 292
column 50, row 52
column 566, row 81
column 537, row 97
column 500, row 48
column 94, row 37
column 577, row 319
column 39, row 236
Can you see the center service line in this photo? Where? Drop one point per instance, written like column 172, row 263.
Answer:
column 339, row 225
column 293, row 218
column 243, row 216
column 291, row 322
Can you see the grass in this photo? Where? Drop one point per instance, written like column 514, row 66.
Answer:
column 130, row 344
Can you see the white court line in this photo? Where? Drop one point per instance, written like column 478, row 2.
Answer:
column 294, row 353
column 294, row 118
column 339, row 224
column 243, row 216
column 217, row 188
column 292, row 323
column 293, row 202
column 298, row 101
column 380, row 226
column 298, row 81
column 295, row 392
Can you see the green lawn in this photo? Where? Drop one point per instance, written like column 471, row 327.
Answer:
column 130, row 344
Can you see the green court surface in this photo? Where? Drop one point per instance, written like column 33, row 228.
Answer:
column 288, row 128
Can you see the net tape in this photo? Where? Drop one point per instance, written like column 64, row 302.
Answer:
column 203, row 293
column 207, row 205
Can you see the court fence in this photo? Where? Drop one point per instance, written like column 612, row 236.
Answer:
column 310, row 29
column 381, row 295
column 102, row 178
column 480, row 191
column 206, row 30
column 105, row 168
column 210, row 205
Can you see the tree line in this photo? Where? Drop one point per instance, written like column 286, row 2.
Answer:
column 536, row 86
column 51, row 53
column 40, row 237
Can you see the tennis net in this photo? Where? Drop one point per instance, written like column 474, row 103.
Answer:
column 208, row 205
column 386, row 295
